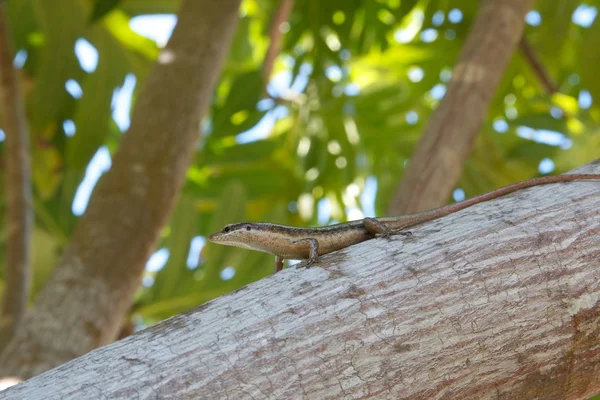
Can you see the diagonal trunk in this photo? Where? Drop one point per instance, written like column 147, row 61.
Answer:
column 496, row 301
column 84, row 304
column 438, row 161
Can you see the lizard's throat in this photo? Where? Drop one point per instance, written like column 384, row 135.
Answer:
column 254, row 242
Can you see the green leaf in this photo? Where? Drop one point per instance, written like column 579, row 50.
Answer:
column 566, row 103
column 46, row 170
column 242, row 48
column 117, row 23
column 182, row 229
column 44, row 258
column 589, row 59
column 541, row 121
column 243, row 95
column 61, row 24
column 260, row 182
column 231, row 208
column 22, row 11
column 551, row 38
column 143, row 7
column 103, row 7
column 93, row 111
column 527, row 150
column 238, row 123
column 239, row 153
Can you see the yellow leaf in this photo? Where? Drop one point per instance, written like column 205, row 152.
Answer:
column 567, row 103
column 47, row 170
column 575, row 126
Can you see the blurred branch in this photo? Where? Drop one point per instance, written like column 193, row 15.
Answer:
column 276, row 36
column 540, row 71
column 537, row 67
column 17, row 189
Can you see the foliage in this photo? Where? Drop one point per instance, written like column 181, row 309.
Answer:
column 354, row 86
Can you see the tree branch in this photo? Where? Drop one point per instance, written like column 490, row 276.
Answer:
column 438, row 160
column 276, row 36
column 536, row 66
column 18, row 190
column 492, row 302
column 540, row 72
column 84, row 304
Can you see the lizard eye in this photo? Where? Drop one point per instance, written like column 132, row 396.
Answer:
column 248, row 228
column 226, row 229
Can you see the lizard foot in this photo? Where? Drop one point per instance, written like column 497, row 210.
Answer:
column 380, row 230
column 401, row 232
column 376, row 228
column 389, row 234
column 305, row 264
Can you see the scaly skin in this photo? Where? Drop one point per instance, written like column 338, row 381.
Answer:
column 288, row 242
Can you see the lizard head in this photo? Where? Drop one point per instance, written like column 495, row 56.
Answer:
column 266, row 237
column 238, row 235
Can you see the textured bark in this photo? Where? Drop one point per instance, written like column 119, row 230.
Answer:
column 500, row 300
column 84, row 304
column 17, row 188
column 438, row 160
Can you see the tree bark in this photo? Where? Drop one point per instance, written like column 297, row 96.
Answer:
column 497, row 301
column 84, row 304
column 438, row 160
column 18, row 190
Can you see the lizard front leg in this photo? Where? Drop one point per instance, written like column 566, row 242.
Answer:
column 278, row 264
column 313, row 254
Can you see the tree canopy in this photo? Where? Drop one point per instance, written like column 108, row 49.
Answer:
column 323, row 138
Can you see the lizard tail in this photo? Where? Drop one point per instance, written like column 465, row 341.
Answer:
column 406, row 221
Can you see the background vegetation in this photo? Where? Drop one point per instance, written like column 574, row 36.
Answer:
column 351, row 89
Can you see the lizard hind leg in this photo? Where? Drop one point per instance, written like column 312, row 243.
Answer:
column 379, row 229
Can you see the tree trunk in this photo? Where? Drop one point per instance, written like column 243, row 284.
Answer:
column 17, row 189
column 438, row 161
column 497, row 301
column 84, row 304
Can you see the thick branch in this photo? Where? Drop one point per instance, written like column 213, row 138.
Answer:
column 276, row 36
column 497, row 301
column 17, row 188
column 438, row 160
column 84, row 304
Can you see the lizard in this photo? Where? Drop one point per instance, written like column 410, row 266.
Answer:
column 289, row 242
